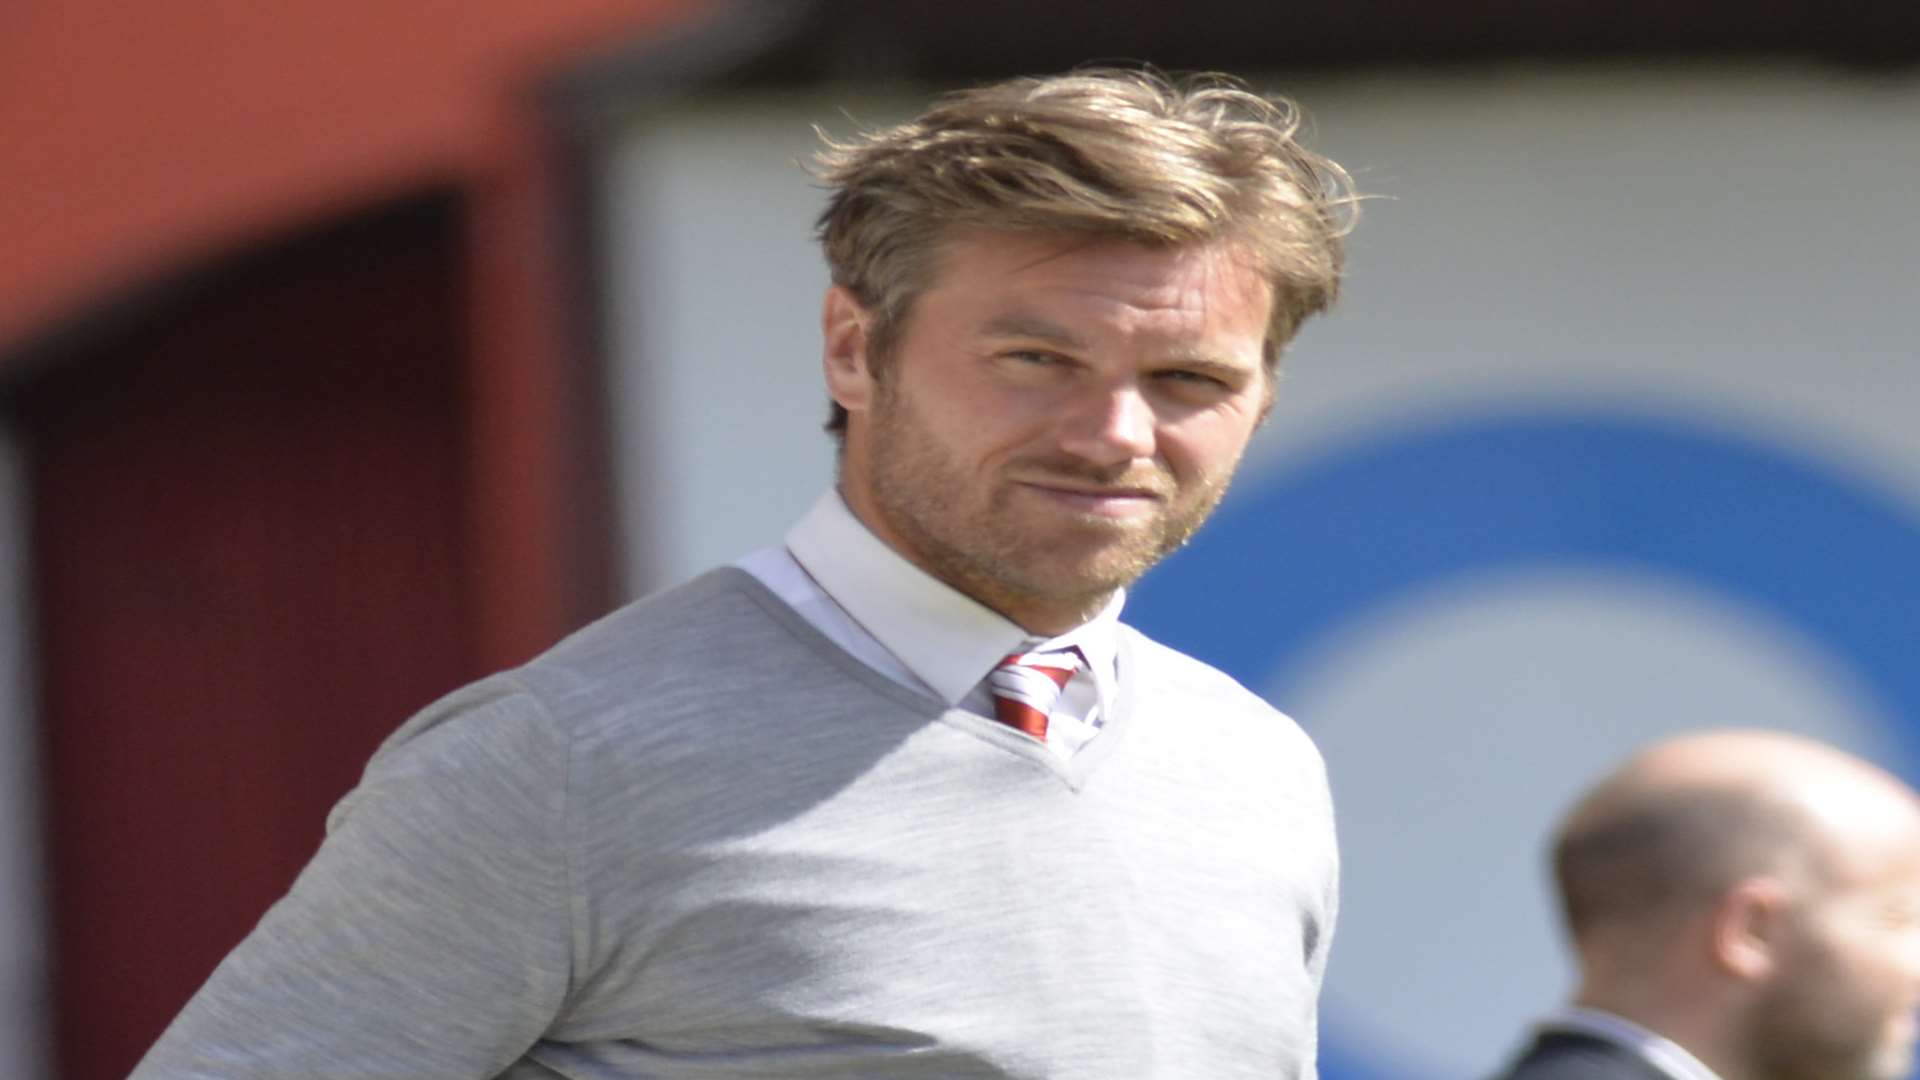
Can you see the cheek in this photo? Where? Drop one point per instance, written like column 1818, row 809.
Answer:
column 1207, row 447
column 1902, row 955
column 970, row 447
column 1881, row 969
column 970, row 408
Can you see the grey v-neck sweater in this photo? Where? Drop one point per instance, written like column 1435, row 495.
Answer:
column 697, row 840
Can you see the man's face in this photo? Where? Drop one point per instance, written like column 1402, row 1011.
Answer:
column 1056, row 413
column 1844, row 1004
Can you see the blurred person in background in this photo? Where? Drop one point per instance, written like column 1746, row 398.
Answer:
column 901, row 796
column 1745, row 906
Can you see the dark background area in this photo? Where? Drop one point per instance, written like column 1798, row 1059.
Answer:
column 942, row 42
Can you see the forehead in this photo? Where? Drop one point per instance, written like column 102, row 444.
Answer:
column 1877, row 844
column 991, row 268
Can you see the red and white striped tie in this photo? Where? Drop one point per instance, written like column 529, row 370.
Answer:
column 1026, row 686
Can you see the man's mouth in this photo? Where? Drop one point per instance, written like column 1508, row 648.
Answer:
column 1115, row 501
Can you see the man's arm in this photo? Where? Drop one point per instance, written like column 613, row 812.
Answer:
column 430, row 935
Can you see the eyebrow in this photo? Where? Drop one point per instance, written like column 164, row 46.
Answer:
column 1019, row 324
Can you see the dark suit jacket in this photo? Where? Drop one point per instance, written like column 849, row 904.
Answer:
column 1570, row 1055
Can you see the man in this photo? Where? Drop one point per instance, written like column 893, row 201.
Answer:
column 1746, row 906
column 901, row 797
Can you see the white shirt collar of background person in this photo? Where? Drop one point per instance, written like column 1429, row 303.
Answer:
column 1657, row 1050
column 940, row 639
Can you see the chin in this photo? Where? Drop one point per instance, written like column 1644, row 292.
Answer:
column 1103, row 574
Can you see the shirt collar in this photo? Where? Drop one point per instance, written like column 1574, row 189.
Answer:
column 1658, row 1050
column 945, row 637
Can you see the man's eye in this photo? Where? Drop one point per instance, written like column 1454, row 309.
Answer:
column 1195, row 378
column 1035, row 361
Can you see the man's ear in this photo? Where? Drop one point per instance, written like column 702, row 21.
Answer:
column 1747, row 926
column 844, row 326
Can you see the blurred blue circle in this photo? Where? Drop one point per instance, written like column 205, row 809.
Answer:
column 1290, row 559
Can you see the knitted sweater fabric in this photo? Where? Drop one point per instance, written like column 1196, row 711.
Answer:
column 699, row 840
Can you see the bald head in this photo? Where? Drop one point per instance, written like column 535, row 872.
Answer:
column 1685, row 819
column 1755, row 898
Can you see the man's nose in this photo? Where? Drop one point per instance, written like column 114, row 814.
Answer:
column 1110, row 425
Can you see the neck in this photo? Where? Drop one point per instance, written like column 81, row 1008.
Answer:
column 1680, row 1019
column 1054, row 626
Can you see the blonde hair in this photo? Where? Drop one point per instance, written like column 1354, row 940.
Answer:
column 1127, row 154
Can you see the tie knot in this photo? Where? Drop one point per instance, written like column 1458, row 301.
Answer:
column 1026, row 686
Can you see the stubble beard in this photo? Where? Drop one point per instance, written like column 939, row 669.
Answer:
column 1811, row 1029
column 999, row 554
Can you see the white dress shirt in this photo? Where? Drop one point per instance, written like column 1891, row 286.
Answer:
column 921, row 632
column 1657, row 1050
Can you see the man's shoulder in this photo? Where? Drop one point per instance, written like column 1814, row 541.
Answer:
column 1165, row 678
column 1573, row 1056
column 717, row 632
column 1165, row 669
column 698, row 621
column 648, row 675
